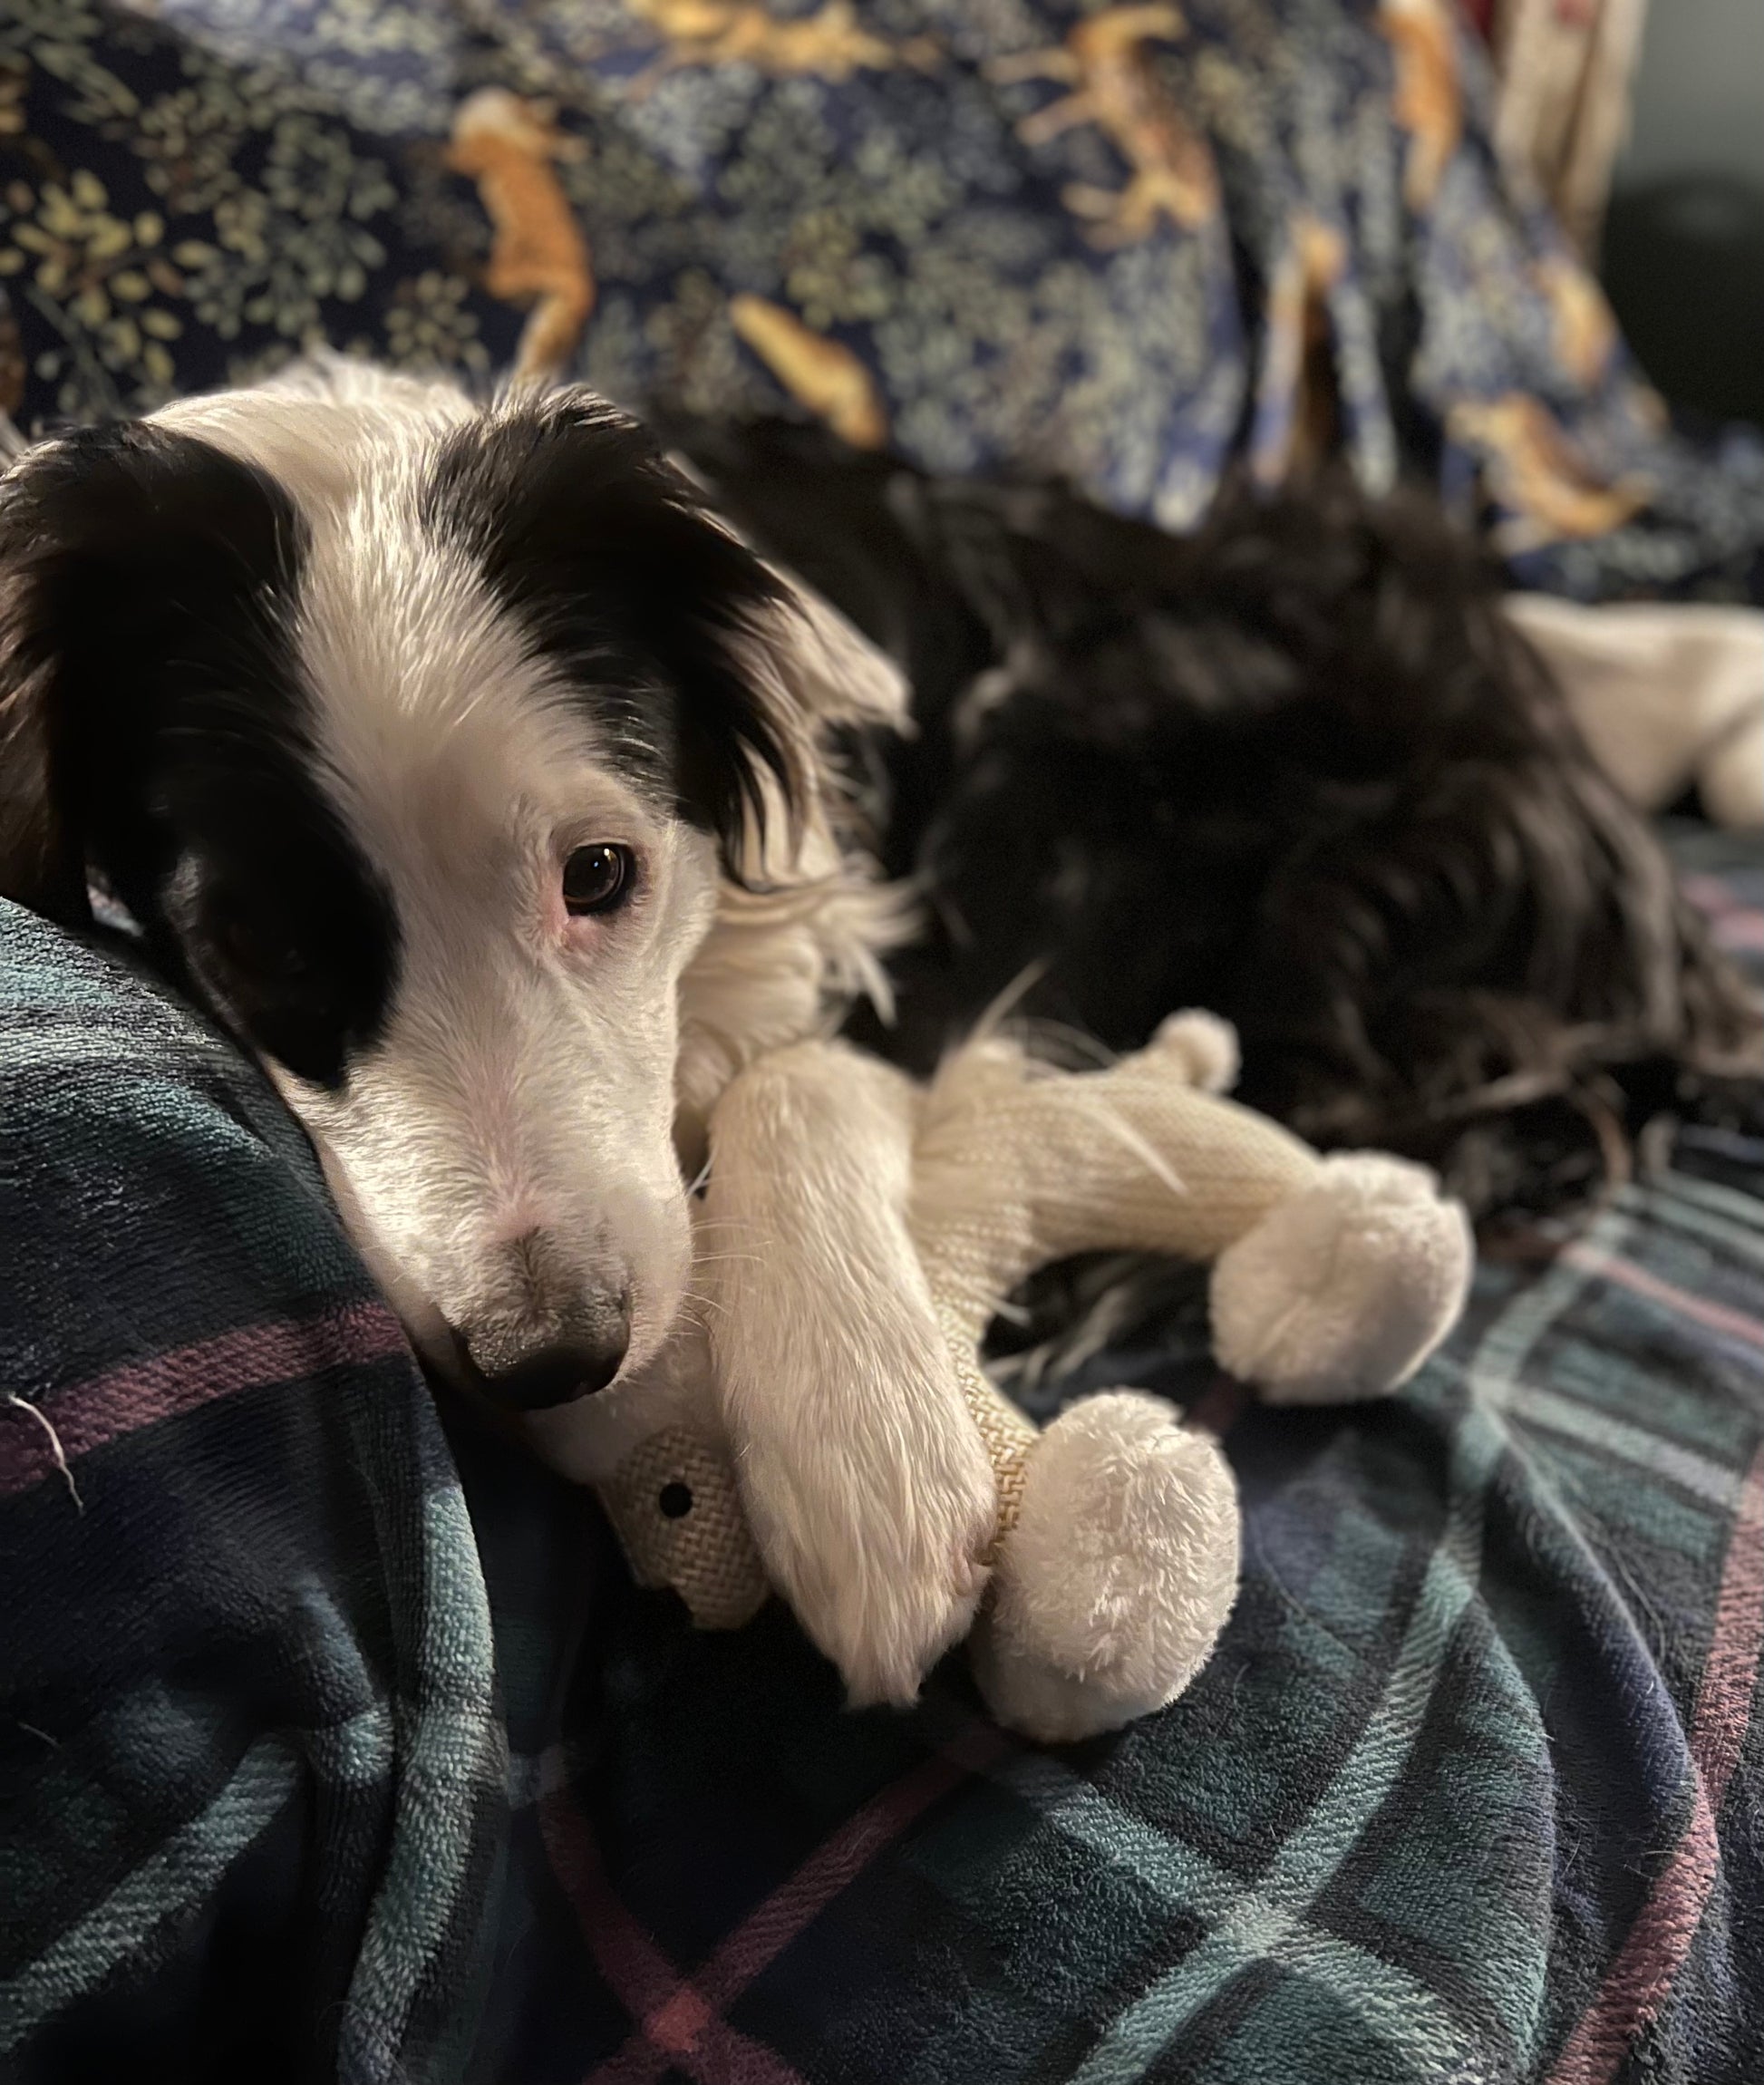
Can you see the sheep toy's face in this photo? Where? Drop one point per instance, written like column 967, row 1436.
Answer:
column 655, row 1450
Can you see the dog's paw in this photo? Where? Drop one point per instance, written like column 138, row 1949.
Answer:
column 1342, row 1291
column 874, row 1508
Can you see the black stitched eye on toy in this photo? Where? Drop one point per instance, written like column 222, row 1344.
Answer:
column 677, row 1500
column 598, row 878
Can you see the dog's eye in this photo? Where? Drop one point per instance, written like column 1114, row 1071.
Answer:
column 598, row 878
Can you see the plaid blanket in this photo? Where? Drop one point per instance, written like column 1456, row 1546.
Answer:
column 337, row 1746
column 254, row 1769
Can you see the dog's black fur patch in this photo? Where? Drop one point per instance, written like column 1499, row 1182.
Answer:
column 1297, row 769
column 154, row 732
column 598, row 547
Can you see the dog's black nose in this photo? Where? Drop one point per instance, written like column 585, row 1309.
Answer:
column 556, row 1375
column 540, row 1377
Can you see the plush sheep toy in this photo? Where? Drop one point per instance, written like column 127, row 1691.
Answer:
column 1115, row 1562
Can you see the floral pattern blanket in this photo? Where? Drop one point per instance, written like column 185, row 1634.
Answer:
column 1139, row 244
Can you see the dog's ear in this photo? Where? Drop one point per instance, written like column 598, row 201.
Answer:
column 119, row 545
column 808, row 672
column 41, row 864
column 585, row 529
column 42, row 854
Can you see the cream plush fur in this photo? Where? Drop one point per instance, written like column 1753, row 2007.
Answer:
column 1097, row 1562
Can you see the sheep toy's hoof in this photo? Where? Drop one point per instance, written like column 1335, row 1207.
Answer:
column 1342, row 1291
column 1111, row 1591
column 1204, row 1045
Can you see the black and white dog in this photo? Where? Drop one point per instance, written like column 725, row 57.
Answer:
column 431, row 747
column 470, row 770
column 477, row 776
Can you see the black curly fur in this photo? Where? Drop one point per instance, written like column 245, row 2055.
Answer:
column 1297, row 768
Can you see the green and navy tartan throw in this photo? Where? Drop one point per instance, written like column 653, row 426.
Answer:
column 335, row 1747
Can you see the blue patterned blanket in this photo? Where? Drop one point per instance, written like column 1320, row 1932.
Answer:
column 332, row 1747
column 1137, row 244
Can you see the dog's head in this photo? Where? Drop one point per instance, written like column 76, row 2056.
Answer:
column 417, row 738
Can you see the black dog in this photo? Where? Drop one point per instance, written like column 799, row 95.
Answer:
column 1298, row 769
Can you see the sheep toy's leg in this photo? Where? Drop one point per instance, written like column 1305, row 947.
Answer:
column 1344, row 1290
